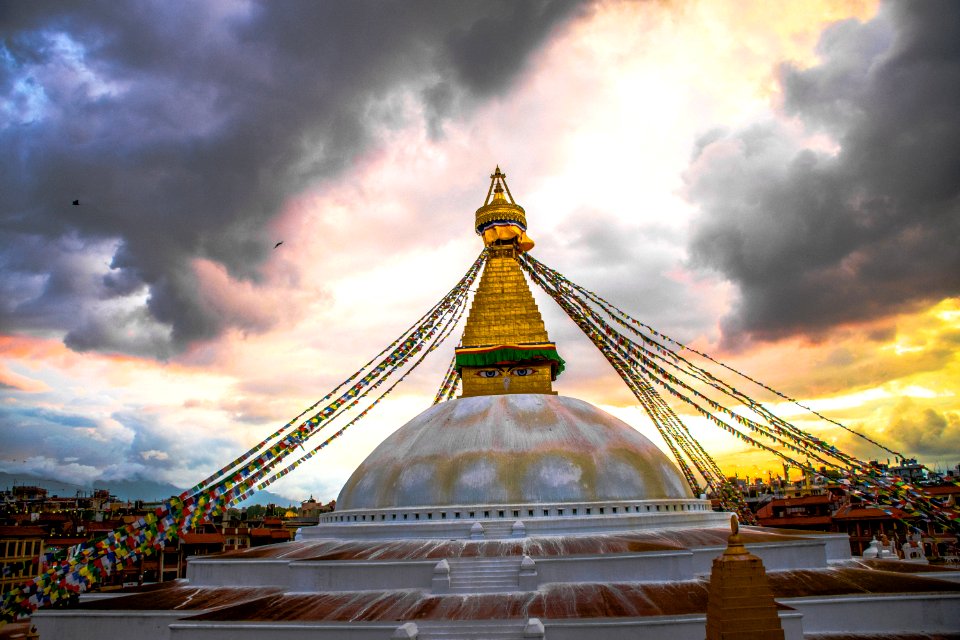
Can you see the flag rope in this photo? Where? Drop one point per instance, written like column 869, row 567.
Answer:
column 651, row 360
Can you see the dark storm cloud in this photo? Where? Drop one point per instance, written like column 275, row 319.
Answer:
column 815, row 239
column 925, row 431
column 181, row 128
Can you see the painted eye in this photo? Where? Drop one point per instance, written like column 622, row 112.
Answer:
column 525, row 371
column 488, row 373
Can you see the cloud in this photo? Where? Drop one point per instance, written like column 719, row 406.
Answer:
column 925, row 431
column 183, row 135
column 119, row 415
column 47, row 467
column 13, row 380
column 38, row 415
column 816, row 234
column 59, row 435
column 485, row 68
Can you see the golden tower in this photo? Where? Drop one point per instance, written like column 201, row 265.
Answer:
column 505, row 346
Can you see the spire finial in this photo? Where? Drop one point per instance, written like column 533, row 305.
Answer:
column 734, row 543
column 501, row 220
column 498, row 184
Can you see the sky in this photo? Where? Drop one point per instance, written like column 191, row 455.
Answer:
column 775, row 183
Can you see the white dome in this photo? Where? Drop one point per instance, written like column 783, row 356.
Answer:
column 509, row 449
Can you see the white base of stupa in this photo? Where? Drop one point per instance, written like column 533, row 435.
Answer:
column 613, row 584
column 491, row 521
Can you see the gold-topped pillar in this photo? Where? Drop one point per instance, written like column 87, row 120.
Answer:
column 740, row 604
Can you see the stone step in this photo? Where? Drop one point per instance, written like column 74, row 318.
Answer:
column 484, row 572
column 472, row 635
column 467, row 561
column 473, row 630
column 457, row 579
column 484, row 575
column 485, row 584
column 473, row 626
column 492, row 531
column 492, row 571
column 479, row 635
column 484, row 588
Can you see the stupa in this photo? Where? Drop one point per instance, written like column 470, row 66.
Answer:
column 514, row 512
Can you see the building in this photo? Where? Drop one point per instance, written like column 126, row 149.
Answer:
column 909, row 469
column 513, row 512
column 21, row 549
column 59, row 523
column 864, row 523
column 813, row 512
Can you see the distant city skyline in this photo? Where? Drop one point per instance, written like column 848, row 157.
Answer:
column 268, row 194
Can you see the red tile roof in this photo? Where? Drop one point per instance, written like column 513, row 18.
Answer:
column 851, row 512
column 15, row 630
column 64, row 541
column 795, row 521
column 202, row 538
column 22, row 532
column 767, row 509
column 803, row 500
column 942, row 491
column 898, row 566
column 54, row 517
column 178, row 595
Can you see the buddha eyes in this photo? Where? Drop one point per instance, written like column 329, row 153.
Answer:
column 496, row 373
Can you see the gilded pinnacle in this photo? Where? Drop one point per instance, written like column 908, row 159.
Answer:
column 734, row 543
column 505, row 347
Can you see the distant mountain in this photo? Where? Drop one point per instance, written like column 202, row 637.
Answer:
column 55, row 487
column 146, row 490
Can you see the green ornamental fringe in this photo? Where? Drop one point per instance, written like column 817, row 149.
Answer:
column 507, row 354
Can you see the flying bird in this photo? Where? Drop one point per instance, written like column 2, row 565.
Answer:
column 278, row 244
column 76, row 203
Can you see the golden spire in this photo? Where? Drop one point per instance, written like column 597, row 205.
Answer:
column 505, row 346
